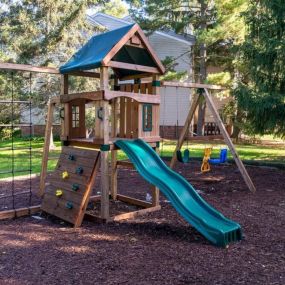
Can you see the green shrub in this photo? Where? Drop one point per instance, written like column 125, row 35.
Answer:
column 6, row 134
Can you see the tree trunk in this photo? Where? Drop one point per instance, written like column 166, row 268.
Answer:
column 236, row 130
column 202, row 70
column 52, row 145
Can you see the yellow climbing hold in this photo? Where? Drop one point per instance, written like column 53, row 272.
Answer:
column 58, row 193
column 205, row 167
column 65, row 174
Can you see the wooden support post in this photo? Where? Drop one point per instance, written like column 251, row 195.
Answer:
column 211, row 105
column 155, row 91
column 186, row 126
column 105, row 187
column 114, row 174
column 156, row 108
column 155, row 190
column 46, row 148
column 65, row 121
column 114, row 124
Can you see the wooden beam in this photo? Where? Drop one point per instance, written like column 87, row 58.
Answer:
column 96, row 143
column 192, row 85
column 130, row 66
column 105, row 187
column 125, row 164
column 43, row 69
column 134, row 214
column 211, row 106
column 64, row 84
column 133, row 201
column 29, row 68
column 85, row 74
column 129, row 112
column 55, row 100
column 94, row 219
column 48, row 132
column 94, row 198
column 119, row 44
column 129, row 44
column 156, row 114
column 141, row 98
column 136, row 76
column 114, row 174
column 208, row 138
column 20, row 212
column 184, row 131
column 92, row 96
column 64, row 120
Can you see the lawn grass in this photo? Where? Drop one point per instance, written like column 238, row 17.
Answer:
column 260, row 153
column 21, row 157
column 245, row 151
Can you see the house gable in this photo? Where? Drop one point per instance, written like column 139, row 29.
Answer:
column 110, row 22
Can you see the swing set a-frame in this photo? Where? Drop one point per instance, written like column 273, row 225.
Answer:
column 204, row 91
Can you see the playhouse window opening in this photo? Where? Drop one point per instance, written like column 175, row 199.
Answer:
column 75, row 116
column 147, row 117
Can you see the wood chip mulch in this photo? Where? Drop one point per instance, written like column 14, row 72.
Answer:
column 160, row 247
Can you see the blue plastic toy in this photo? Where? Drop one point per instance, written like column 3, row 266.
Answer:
column 222, row 159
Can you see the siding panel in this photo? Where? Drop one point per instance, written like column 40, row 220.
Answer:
column 175, row 104
column 169, row 47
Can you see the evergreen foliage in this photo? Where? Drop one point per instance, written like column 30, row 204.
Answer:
column 261, row 88
column 43, row 31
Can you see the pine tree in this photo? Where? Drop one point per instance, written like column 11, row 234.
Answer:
column 37, row 30
column 261, row 89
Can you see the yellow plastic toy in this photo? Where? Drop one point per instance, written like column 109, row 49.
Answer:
column 58, row 193
column 65, row 174
column 205, row 167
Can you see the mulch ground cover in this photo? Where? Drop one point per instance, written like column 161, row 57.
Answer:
column 158, row 248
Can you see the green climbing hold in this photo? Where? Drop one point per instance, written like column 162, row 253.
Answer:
column 79, row 170
column 75, row 187
column 69, row 205
column 71, row 157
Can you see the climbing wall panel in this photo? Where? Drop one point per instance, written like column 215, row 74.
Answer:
column 68, row 188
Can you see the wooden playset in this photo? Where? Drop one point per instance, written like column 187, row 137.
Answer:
column 123, row 110
column 127, row 105
column 127, row 118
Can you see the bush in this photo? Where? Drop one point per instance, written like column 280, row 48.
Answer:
column 6, row 134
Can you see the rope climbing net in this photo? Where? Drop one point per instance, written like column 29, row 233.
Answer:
column 16, row 153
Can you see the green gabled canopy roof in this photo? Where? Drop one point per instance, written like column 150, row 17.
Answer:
column 96, row 52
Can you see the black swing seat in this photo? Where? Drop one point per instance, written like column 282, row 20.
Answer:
column 185, row 158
